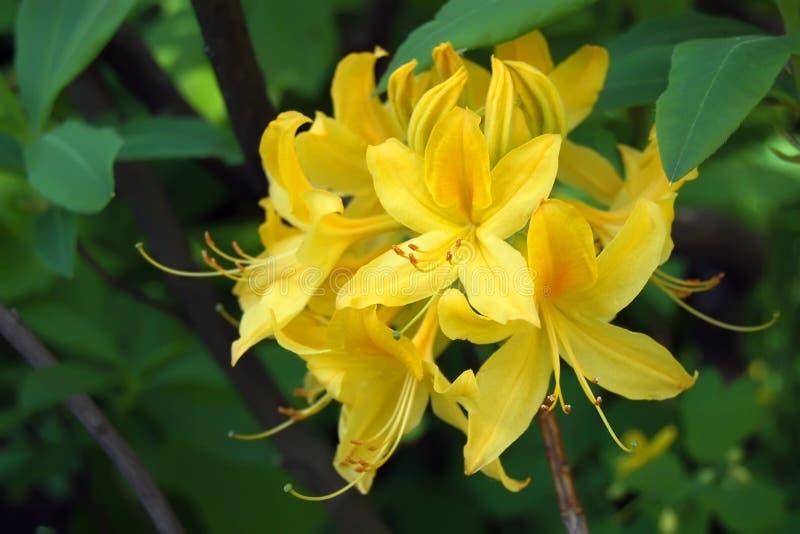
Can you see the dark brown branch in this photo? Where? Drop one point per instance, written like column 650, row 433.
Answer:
column 373, row 27
column 572, row 513
column 240, row 79
column 305, row 456
column 98, row 426
column 121, row 286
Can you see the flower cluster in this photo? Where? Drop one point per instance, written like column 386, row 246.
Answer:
column 394, row 227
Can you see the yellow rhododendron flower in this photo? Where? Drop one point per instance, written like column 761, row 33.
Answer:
column 577, row 294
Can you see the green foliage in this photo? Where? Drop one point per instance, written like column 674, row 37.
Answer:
column 708, row 96
column 468, row 24
column 55, row 233
column 147, row 138
column 55, row 40
column 47, row 386
column 72, row 166
column 640, row 57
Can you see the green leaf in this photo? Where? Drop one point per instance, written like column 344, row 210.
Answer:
column 713, row 85
column 12, row 118
column 10, row 153
column 72, row 166
column 176, row 138
column 754, row 506
column 46, row 386
column 640, row 57
column 303, row 67
column 55, row 233
column 477, row 23
column 716, row 417
column 55, row 40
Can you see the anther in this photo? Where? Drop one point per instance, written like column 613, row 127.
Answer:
column 412, row 259
column 372, row 448
column 399, row 251
column 543, row 408
column 359, row 469
column 413, row 247
column 209, row 241
column 598, row 401
column 596, row 380
column 288, row 412
column 458, row 242
column 567, row 408
column 299, row 392
column 550, row 399
column 357, row 441
column 449, row 256
column 240, row 266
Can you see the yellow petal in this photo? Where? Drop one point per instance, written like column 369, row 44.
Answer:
column 403, row 93
column 392, row 280
column 626, row 363
column 539, row 99
column 354, row 103
column 496, row 280
column 513, row 383
column 590, row 172
column 499, row 111
column 459, row 321
column 432, row 106
column 457, row 165
column 579, row 80
column 520, row 180
column 560, row 250
column 530, row 48
column 446, row 61
column 333, row 156
column 474, row 95
column 398, row 177
column 463, row 390
column 304, row 335
column 626, row 263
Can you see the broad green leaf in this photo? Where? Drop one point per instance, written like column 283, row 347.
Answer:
column 12, row 118
column 640, row 57
column 8, row 12
column 55, row 40
column 10, row 153
column 752, row 506
column 72, row 166
column 21, row 273
column 713, row 85
column 717, row 417
column 176, row 138
column 55, row 233
column 304, row 66
column 46, row 386
column 477, row 23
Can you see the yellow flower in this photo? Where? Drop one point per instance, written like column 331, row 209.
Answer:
column 384, row 384
column 646, row 449
column 577, row 294
column 463, row 210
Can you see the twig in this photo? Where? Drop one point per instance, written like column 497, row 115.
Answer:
column 98, row 426
column 572, row 513
column 119, row 285
column 229, row 49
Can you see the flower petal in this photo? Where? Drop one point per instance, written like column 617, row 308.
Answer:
column 333, row 156
column 530, row 48
column 432, row 106
column 457, row 165
column 539, row 99
column 626, row 263
column 458, row 320
column 398, row 177
column 403, row 93
column 354, row 102
column 513, row 383
column 627, row 363
column 560, row 250
column 496, row 280
column 590, row 172
column 499, row 111
column 520, row 180
column 579, row 80
column 392, row 280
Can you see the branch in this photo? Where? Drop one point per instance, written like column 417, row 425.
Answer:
column 98, row 426
column 229, row 49
column 572, row 513
column 373, row 27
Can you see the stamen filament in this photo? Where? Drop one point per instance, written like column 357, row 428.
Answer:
column 179, row 272
column 291, row 491
column 716, row 322
column 296, row 415
column 397, row 334
column 213, row 246
column 220, row 309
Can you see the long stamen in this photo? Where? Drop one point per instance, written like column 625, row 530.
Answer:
column 556, row 367
column 219, row 252
column 400, row 431
column 295, row 416
column 294, row 493
column 225, row 314
column 241, row 252
column 397, row 409
column 397, row 334
column 179, row 272
column 716, row 322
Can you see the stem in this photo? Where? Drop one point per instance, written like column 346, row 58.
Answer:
column 98, row 426
column 572, row 513
column 231, row 53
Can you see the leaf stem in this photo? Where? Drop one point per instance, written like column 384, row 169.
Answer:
column 572, row 513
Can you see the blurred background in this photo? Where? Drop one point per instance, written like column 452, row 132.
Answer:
column 720, row 458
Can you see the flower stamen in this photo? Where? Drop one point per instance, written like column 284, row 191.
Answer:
column 293, row 415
